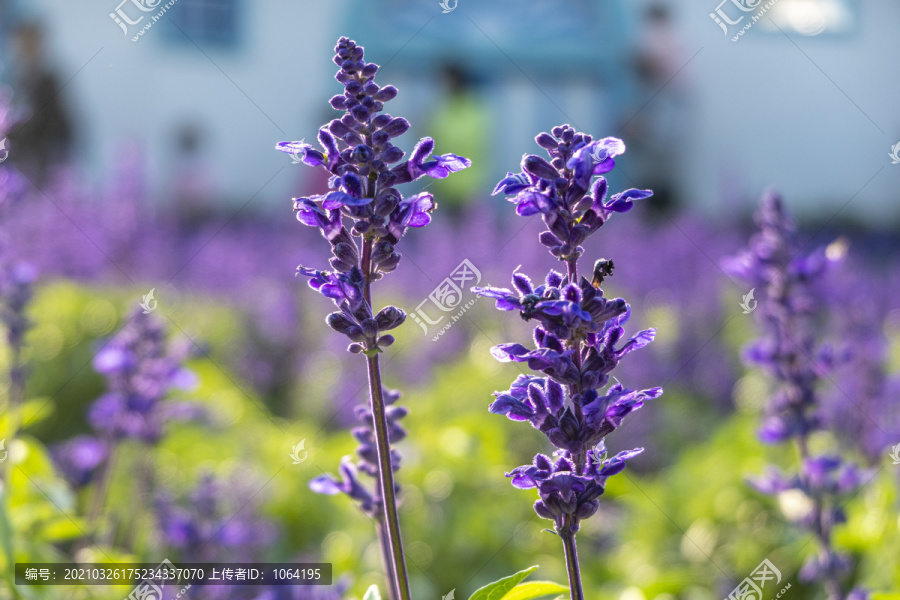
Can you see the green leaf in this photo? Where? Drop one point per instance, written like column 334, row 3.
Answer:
column 372, row 593
column 535, row 589
column 885, row 596
column 499, row 589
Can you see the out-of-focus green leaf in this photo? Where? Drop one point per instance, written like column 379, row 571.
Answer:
column 535, row 589
column 499, row 589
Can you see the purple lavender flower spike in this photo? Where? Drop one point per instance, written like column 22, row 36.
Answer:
column 790, row 353
column 140, row 369
column 579, row 337
column 363, row 218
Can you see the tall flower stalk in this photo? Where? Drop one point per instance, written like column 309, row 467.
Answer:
column 790, row 353
column 579, row 338
column 141, row 369
column 363, row 217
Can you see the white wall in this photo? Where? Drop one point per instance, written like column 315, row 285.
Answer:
column 815, row 117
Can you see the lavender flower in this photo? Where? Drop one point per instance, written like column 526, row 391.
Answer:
column 790, row 353
column 217, row 521
column 12, row 184
column 369, row 501
column 79, row 459
column 364, row 167
column 580, row 336
column 16, row 287
column 140, row 369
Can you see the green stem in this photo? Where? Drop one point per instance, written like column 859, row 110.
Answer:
column 387, row 558
column 386, row 478
column 572, row 566
column 383, row 444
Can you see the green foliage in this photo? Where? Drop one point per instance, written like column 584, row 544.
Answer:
column 499, row 589
column 535, row 589
column 685, row 531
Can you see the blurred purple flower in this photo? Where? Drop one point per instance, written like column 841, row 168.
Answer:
column 790, row 353
column 140, row 370
column 79, row 458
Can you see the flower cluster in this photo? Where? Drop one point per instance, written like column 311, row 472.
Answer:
column 564, row 191
column 140, row 369
column 790, row 353
column 355, row 319
column 16, row 288
column 364, row 167
column 205, row 527
column 218, row 520
column 563, row 491
column 580, row 336
column 348, row 483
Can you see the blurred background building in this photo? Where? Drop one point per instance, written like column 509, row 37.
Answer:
column 805, row 100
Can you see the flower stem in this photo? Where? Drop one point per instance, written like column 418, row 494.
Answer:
column 572, row 270
column 386, row 478
column 574, row 570
column 823, row 536
column 398, row 576
column 387, row 558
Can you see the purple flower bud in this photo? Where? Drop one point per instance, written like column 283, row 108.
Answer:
column 398, row 127
column 386, row 93
column 338, row 102
column 382, row 251
column 370, row 69
column 537, row 166
column 380, row 121
column 391, row 155
column 546, row 141
column 389, row 318
column 380, row 138
column 360, row 113
column 369, row 327
column 362, row 153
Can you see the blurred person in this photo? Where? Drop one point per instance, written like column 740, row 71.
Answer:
column 658, row 121
column 43, row 137
column 460, row 122
column 193, row 190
